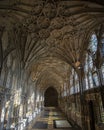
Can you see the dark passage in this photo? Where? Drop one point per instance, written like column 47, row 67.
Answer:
column 92, row 118
column 51, row 97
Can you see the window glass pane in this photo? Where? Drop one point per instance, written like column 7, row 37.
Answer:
column 93, row 43
column 103, row 74
column 90, row 62
column 96, row 79
column 90, row 81
column 86, row 63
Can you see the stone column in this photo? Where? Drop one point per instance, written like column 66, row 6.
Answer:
column 1, row 50
column 82, row 97
column 101, row 85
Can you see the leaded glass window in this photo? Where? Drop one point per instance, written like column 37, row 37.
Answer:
column 90, row 80
column 93, row 44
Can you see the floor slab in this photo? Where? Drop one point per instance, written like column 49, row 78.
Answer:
column 51, row 119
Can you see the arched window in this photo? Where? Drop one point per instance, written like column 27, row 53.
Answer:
column 89, row 63
column 93, row 44
column 74, row 82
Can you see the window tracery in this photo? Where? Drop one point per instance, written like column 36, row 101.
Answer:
column 89, row 67
column 93, row 43
column 74, row 83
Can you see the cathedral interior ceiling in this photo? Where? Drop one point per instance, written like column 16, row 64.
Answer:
column 50, row 36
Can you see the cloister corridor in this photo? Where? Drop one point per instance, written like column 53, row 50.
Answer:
column 52, row 64
column 51, row 118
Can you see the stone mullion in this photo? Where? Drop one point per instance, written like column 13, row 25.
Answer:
column 89, row 86
column 34, row 95
column 40, row 100
column 5, row 99
column 74, row 85
column 10, row 113
column 66, row 91
column 25, row 100
column 26, row 97
column 11, row 104
column 36, row 100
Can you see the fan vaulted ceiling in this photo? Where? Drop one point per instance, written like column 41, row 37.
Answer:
column 51, row 35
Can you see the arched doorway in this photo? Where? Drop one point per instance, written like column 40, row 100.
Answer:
column 51, row 97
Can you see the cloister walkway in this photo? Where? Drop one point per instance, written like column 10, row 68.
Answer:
column 51, row 118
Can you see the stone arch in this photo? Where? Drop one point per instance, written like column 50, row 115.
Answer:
column 51, row 97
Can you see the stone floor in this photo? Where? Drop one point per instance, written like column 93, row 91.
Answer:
column 51, row 119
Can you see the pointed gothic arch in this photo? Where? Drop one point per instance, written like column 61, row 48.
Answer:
column 51, row 97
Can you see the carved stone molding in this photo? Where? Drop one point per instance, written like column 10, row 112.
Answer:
column 49, row 10
column 44, row 33
column 43, row 22
column 37, row 8
column 56, row 34
column 33, row 28
column 57, row 23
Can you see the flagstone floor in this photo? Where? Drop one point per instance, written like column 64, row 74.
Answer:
column 51, row 119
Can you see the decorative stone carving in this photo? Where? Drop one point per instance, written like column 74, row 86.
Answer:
column 57, row 23
column 66, row 12
column 34, row 36
column 60, row 10
column 9, row 61
column 56, row 33
column 29, row 20
column 50, row 41
column 70, row 21
column 43, row 22
column 49, row 10
column 37, row 9
column 43, row 42
column 33, row 28
column 66, row 29
column 66, row 39
column 44, row 33
column 57, row 43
